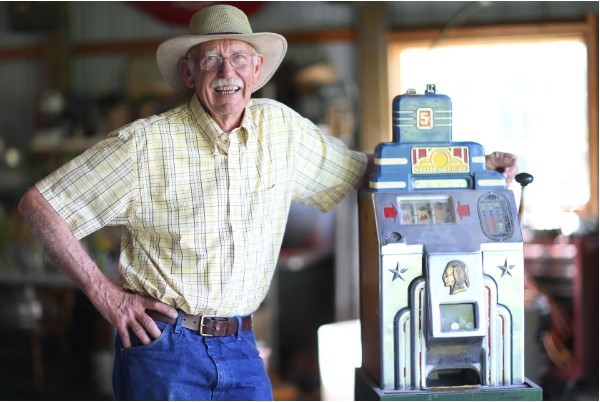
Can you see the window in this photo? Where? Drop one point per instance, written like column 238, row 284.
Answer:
column 527, row 97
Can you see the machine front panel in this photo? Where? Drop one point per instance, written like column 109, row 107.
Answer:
column 446, row 284
column 447, row 221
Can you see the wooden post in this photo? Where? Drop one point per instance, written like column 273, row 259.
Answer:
column 372, row 64
column 592, row 57
column 57, row 52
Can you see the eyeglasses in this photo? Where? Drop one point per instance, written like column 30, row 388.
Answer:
column 213, row 62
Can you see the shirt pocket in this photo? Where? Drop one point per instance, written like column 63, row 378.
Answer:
column 259, row 203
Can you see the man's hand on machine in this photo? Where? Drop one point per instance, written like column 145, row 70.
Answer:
column 127, row 311
column 504, row 163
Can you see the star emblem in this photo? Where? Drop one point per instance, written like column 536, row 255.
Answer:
column 398, row 272
column 506, row 268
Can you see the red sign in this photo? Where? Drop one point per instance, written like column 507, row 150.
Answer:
column 424, row 118
column 463, row 210
column 180, row 12
column 390, row 212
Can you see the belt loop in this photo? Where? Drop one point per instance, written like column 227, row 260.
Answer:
column 239, row 328
column 178, row 322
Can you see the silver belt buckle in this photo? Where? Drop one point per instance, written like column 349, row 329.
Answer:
column 202, row 324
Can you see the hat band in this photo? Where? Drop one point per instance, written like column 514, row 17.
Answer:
column 225, row 33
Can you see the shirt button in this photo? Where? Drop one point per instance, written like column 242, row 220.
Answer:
column 222, row 143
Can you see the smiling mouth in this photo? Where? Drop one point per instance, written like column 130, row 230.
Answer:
column 227, row 90
column 226, row 86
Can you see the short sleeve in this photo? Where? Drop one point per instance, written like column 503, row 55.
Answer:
column 326, row 169
column 94, row 189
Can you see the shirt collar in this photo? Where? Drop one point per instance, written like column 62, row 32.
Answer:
column 246, row 132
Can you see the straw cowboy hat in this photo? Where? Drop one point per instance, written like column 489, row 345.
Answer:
column 219, row 22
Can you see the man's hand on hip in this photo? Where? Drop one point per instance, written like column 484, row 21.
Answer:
column 126, row 310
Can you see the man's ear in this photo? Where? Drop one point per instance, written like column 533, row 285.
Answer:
column 258, row 66
column 187, row 75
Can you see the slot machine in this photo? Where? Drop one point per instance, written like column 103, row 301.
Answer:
column 441, row 267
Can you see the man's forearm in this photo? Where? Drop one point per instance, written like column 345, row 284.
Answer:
column 124, row 310
column 59, row 244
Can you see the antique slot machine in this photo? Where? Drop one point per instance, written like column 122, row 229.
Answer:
column 441, row 267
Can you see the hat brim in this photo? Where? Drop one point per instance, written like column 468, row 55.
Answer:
column 273, row 46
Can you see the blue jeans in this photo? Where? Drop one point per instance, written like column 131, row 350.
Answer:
column 182, row 365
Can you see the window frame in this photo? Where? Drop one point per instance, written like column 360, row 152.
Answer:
column 586, row 31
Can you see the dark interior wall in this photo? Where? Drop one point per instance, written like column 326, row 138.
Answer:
column 22, row 79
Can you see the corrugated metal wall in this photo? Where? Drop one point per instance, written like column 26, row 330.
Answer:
column 110, row 21
column 91, row 22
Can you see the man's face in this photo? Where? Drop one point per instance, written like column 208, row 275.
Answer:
column 226, row 91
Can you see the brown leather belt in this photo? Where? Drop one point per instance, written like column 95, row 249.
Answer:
column 206, row 325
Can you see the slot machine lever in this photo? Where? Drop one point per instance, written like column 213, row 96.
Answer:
column 560, row 331
column 523, row 179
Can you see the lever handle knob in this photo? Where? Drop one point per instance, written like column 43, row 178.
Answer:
column 524, row 179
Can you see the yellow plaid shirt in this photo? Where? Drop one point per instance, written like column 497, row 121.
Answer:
column 203, row 211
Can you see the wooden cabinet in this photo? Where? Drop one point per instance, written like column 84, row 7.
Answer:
column 567, row 272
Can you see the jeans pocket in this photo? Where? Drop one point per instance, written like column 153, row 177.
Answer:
column 156, row 371
column 136, row 343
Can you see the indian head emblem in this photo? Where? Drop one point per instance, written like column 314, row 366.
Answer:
column 456, row 276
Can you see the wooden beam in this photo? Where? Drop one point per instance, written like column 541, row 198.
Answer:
column 489, row 31
column 57, row 52
column 120, row 47
column 373, row 77
column 326, row 36
column 592, row 80
column 22, row 52
column 149, row 46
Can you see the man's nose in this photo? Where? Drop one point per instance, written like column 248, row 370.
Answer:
column 226, row 67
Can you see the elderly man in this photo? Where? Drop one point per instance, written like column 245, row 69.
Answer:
column 202, row 192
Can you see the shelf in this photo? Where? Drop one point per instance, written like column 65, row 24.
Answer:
column 57, row 145
column 54, row 279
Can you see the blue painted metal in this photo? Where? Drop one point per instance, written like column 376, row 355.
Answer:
column 422, row 154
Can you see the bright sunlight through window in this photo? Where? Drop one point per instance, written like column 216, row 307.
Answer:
column 529, row 99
